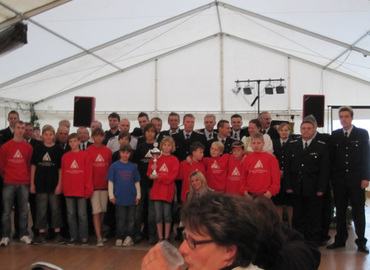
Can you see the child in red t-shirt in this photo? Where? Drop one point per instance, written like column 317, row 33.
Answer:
column 234, row 168
column 196, row 149
column 261, row 172
column 163, row 189
column 77, row 186
column 101, row 157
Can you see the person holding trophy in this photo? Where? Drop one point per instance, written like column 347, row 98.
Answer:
column 163, row 169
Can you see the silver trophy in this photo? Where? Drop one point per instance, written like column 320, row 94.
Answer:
column 155, row 152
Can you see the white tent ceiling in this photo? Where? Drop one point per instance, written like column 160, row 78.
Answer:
column 83, row 43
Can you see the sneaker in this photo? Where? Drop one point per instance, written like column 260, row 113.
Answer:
column 71, row 242
column 4, row 241
column 85, row 242
column 26, row 239
column 100, row 243
column 40, row 239
column 59, row 240
column 105, row 239
column 128, row 242
column 119, row 242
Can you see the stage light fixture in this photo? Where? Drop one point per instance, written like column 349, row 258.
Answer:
column 236, row 89
column 269, row 89
column 280, row 88
column 248, row 89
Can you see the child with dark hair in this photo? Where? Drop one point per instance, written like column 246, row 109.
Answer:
column 142, row 157
column 124, row 191
column 234, row 168
column 186, row 168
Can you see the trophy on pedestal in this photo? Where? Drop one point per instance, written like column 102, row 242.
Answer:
column 155, row 152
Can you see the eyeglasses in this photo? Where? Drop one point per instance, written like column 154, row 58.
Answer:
column 192, row 243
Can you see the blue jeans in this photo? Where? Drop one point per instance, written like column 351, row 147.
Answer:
column 22, row 192
column 77, row 205
column 42, row 200
column 150, row 213
column 162, row 211
column 125, row 220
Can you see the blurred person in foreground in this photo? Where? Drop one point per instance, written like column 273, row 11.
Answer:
column 221, row 233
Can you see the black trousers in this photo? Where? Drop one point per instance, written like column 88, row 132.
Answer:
column 307, row 216
column 357, row 196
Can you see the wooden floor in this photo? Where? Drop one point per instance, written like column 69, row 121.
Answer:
column 20, row 256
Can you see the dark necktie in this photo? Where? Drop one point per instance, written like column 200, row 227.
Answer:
column 187, row 136
column 346, row 134
column 283, row 144
column 305, row 145
column 83, row 146
column 210, row 136
column 235, row 136
column 223, row 141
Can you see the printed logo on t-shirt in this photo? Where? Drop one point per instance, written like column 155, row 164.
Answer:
column 46, row 157
column 215, row 165
column 18, row 154
column 74, row 165
column 258, row 164
column 148, row 154
column 99, row 158
column 163, row 168
column 235, row 171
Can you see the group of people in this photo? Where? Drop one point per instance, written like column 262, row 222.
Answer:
column 127, row 187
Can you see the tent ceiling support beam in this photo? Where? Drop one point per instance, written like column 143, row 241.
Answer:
column 299, row 59
column 45, row 68
column 219, row 17
column 295, row 28
column 128, row 68
column 339, row 56
column 97, row 48
column 74, row 44
column 154, row 26
column 24, row 16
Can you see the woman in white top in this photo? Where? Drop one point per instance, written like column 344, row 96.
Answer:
column 254, row 127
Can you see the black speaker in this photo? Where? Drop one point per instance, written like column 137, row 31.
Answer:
column 314, row 104
column 83, row 114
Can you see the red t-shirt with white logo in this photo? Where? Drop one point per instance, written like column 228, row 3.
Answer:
column 260, row 173
column 77, row 174
column 216, row 172
column 15, row 162
column 164, row 186
column 101, row 158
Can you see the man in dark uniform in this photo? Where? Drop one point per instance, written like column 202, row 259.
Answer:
column 327, row 198
column 223, row 136
column 237, row 133
column 7, row 133
column 114, row 120
column 209, row 123
column 265, row 120
column 184, row 138
column 349, row 151
column 307, row 174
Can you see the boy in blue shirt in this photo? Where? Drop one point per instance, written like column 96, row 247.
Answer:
column 124, row 191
